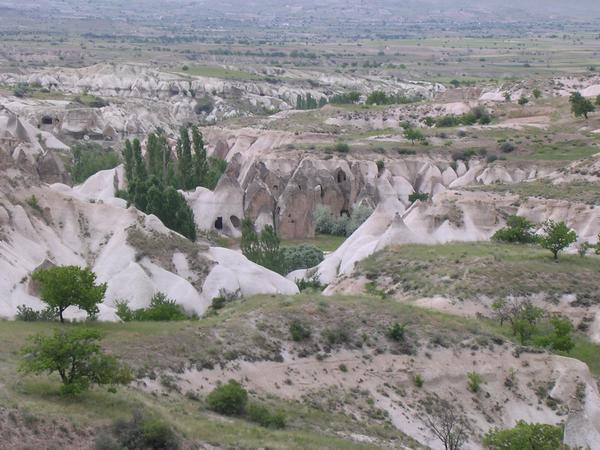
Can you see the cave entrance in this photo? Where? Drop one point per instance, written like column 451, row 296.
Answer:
column 235, row 221
column 219, row 223
column 341, row 176
column 47, row 120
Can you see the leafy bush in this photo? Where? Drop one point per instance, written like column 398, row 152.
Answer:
column 142, row 432
column 229, row 399
column 261, row 415
column 335, row 336
column 225, row 297
column 474, row 381
column 301, row 256
column 423, row 196
column 518, row 230
column 560, row 339
column 526, row 436
column 418, row 380
column 27, row 314
column 299, row 331
column 312, row 283
column 507, row 147
column 396, row 332
column 161, row 309
column 341, row 147
column 90, row 158
column 463, row 155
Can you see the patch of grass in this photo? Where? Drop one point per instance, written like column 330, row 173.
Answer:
column 324, row 242
column 558, row 151
column 469, row 270
column 219, row 72
column 575, row 191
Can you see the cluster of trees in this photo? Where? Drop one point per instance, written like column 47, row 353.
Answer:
column 524, row 319
column 343, row 225
column 479, row 114
column 381, row 98
column 556, row 236
column 89, row 158
column 153, row 180
column 309, row 102
column 349, row 98
column 581, row 106
column 264, row 248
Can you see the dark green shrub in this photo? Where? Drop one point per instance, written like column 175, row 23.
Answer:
column 341, row 147
column 299, row 331
column 312, row 283
column 146, row 433
column 302, row 256
column 27, row 314
column 89, row 158
column 161, row 309
column 526, row 436
column 229, row 399
column 507, row 147
column 261, row 415
column 423, row 196
column 336, row 336
column 396, row 332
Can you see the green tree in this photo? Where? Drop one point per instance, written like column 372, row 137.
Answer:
column 129, row 161
column 413, row 135
column 64, row 286
column 377, row 98
column 523, row 100
column 557, row 236
column 580, row 106
column 184, row 160
column 199, row 159
column 75, row 354
column 262, row 248
column 536, row 93
column 518, row 230
column 524, row 321
column 525, row 436
column 598, row 100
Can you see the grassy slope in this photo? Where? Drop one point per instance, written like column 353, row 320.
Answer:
column 576, row 191
column 468, row 270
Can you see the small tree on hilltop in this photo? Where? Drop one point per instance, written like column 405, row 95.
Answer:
column 581, row 106
column 64, row 286
column 557, row 236
column 77, row 357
